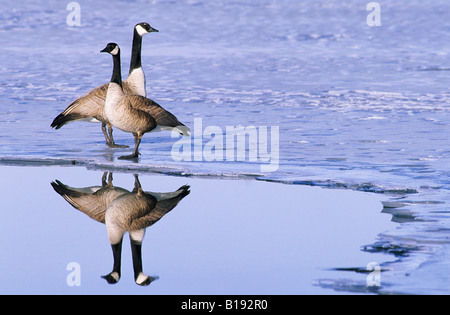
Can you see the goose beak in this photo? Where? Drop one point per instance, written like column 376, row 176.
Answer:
column 153, row 30
column 104, row 50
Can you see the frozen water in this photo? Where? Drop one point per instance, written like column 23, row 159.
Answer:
column 358, row 107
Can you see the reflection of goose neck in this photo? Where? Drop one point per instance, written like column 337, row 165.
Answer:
column 114, row 276
column 136, row 250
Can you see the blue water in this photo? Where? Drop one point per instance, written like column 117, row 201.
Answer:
column 358, row 107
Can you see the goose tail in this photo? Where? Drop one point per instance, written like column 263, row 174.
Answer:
column 183, row 192
column 88, row 107
column 68, row 194
column 67, row 116
column 183, row 130
column 62, row 189
column 168, row 201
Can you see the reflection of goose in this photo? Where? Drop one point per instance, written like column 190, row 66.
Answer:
column 134, row 212
column 91, row 106
column 134, row 113
column 127, row 211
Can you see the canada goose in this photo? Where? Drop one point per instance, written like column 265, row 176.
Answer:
column 91, row 106
column 134, row 113
column 129, row 211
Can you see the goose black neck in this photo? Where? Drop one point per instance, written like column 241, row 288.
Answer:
column 117, row 72
column 136, row 52
column 117, row 254
column 136, row 251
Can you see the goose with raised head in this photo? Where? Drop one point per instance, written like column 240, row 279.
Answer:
column 134, row 113
column 121, row 211
column 91, row 106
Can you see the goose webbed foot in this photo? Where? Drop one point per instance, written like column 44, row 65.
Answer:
column 111, row 144
column 134, row 156
column 109, row 137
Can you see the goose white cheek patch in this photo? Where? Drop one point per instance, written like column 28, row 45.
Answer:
column 141, row 31
column 115, row 51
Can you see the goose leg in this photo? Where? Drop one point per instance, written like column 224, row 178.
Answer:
column 104, row 184
column 135, row 154
column 110, row 142
column 137, row 184
column 114, row 276
column 110, row 179
column 105, row 134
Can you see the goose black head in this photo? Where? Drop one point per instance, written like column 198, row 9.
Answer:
column 111, row 48
column 144, row 28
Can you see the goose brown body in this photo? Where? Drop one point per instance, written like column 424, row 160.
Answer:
column 137, row 114
column 133, row 113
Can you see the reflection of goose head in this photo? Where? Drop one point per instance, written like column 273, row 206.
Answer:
column 123, row 211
